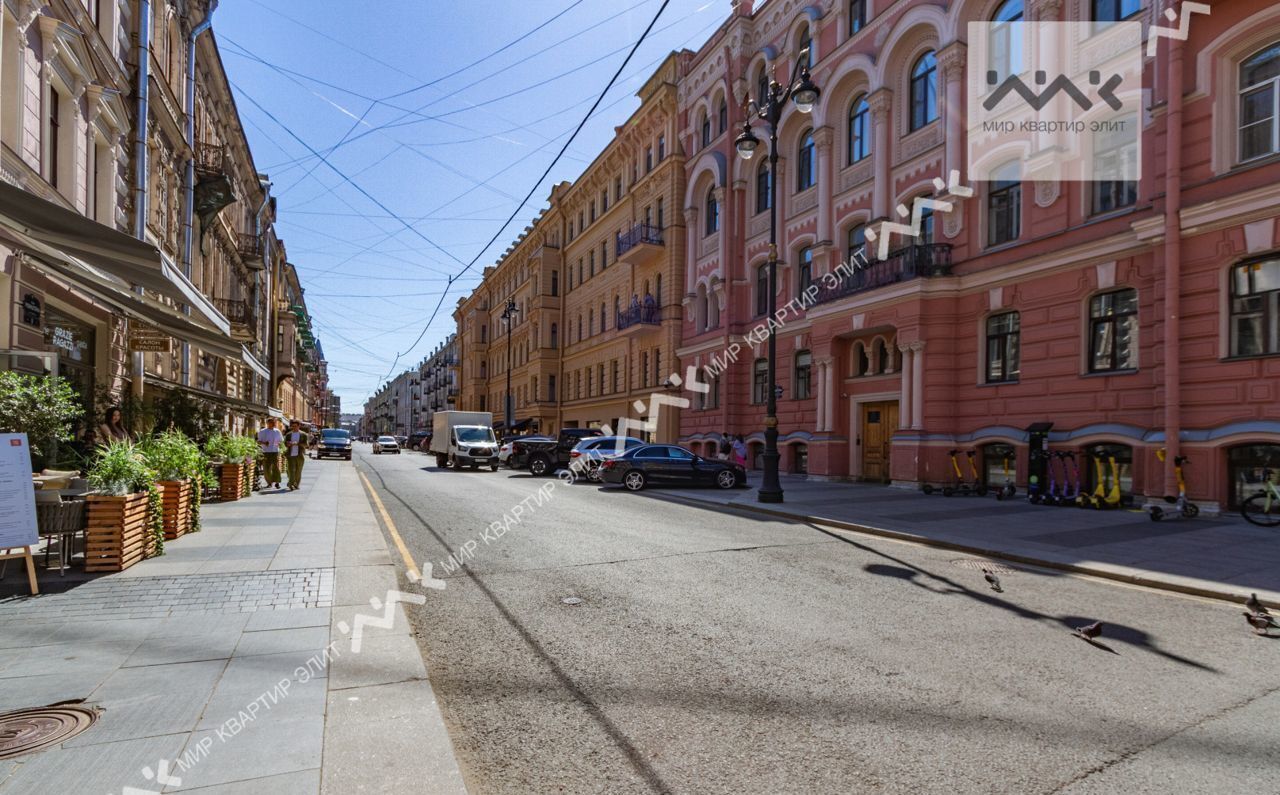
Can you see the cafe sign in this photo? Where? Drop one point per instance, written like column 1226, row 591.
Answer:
column 148, row 339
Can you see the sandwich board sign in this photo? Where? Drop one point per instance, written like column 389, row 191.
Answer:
column 17, row 502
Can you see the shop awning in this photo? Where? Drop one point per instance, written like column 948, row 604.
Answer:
column 133, row 261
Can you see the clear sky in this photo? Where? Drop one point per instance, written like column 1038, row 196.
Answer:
column 446, row 127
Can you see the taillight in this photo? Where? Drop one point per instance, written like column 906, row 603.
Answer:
column 574, row 453
column 608, row 463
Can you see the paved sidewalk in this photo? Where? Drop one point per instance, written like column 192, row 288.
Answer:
column 1223, row 557
column 239, row 662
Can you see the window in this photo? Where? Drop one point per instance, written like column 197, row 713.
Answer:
column 661, row 219
column 1003, row 340
column 657, row 366
column 859, row 130
column 604, row 254
column 1244, row 470
column 804, row 270
column 857, row 15
column 713, row 213
column 760, row 381
column 999, row 464
column 614, row 380
column 806, row 43
column 1113, row 331
column 1115, row 159
column 1260, row 104
column 764, row 187
column 617, row 189
column 648, row 159
column 579, row 327
column 762, row 289
column 1255, row 308
column 484, row 333
column 555, row 336
column 55, row 137
column 657, row 291
column 593, row 212
column 925, row 237
column 1004, row 204
column 604, row 201
column 662, row 148
column 706, row 130
column 800, row 459
column 1107, row 11
column 577, row 384
column 861, row 364
column 857, row 244
column 723, row 115
column 604, row 318
column 924, row 91
column 807, row 163
column 555, row 283
column 1006, row 40
column 762, row 85
column 580, row 271
column 804, row 367
column 591, row 322
column 644, row 368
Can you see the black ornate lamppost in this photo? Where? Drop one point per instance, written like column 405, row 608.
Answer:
column 769, row 110
column 508, row 314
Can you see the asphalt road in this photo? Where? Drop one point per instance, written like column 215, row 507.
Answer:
column 714, row 652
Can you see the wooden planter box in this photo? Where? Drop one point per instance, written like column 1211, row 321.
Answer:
column 232, row 482
column 178, row 498
column 250, row 477
column 117, row 534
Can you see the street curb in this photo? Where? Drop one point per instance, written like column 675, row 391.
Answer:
column 1142, row 577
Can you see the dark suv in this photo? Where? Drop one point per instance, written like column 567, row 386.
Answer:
column 545, row 457
column 334, row 442
column 418, row 440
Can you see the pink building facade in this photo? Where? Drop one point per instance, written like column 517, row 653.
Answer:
column 1133, row 316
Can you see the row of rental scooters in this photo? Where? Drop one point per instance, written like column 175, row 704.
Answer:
column 1064, row 488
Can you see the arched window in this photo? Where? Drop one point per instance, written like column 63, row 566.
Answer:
column 760, row 381
column 926, row 227
column 762, row 289
column 700, row 310
column 1005, row 57
column 859, row 129
column 804, row 270
column 762, row 84
column 723, row 114
column 764, row 186
column 706, row 130
column 806, row 163
column 713, row 311
column 882, row 357
column 924, row 90
column 713, row 212
column 1004, row 204
column 861, row 364
column 1260, row 104
column 806, row 43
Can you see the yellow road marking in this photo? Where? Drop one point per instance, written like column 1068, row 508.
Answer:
column 414, row 574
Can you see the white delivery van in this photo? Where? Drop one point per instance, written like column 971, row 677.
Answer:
column 461, row 438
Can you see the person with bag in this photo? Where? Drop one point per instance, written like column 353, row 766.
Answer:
column 295, row 453
column 269, row 439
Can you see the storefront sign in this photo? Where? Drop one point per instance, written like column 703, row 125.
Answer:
column 17, row 495
column 147, row 339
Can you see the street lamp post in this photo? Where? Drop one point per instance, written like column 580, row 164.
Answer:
column 769, row 109
column 508, row 313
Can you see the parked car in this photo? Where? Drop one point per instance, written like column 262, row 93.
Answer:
column 418, row 440
column 587, row 456
column 403, row 441
column 669, row 465
column 386, row 444
column 504, row 452
column 334, row 442
column 545, row 457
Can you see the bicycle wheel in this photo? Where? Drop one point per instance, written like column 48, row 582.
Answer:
column 1261, row 509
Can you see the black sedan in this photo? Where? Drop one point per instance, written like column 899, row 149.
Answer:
column 669, row 465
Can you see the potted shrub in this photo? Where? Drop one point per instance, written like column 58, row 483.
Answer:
column 179, row 466
column 126, row 518
column 235, row 454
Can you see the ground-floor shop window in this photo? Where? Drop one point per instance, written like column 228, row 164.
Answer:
column 1245, row 465
column 800, row 459
column 757, row 455
column 999, row 462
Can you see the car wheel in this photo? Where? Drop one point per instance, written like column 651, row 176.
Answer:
column 725, row 479
column 474, row 466
column 442, row 461
column 593, row 474
column 539, row 466
column 493, row 467
column 634, row 480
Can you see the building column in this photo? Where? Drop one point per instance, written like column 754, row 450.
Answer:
column 881, row 102
column 823, row 138
column 833, row 399
column 917, row 385
column 904, row 402
column 952, row 59
column 722, row 198
column 691, row 245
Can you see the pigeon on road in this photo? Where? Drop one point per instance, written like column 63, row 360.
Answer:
column 992, row 580
column 1259, row 623
column 1256, row 607
column 1090, row 631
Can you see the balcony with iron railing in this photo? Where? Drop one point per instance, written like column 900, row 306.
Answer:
column 638, row 315
column 639, row 244
column 912, row 262
column 249, row 245
column 244, row 324
column 210, row 159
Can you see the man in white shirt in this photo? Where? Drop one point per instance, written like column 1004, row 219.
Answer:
column 296, row 441
column 269, row 439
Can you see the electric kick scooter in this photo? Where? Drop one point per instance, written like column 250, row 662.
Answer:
column 979, row 487
column 1008, row 489
column 1183, row 508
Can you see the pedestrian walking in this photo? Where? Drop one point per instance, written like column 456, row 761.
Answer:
column 739, row 451
column 295, row 454
column 269, row 439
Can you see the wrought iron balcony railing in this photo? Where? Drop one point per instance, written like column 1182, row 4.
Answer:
column 209, row 159
column 639, row 314
column 239, row 312
column 905, row 264
column 250, row 246
column 640, row 234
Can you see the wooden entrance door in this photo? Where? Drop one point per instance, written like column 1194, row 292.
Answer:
column 879, row 421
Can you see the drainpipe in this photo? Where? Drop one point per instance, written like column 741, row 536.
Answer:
column 189, row 177
column 1173, row 267
column 141, row 92
column 257, row 288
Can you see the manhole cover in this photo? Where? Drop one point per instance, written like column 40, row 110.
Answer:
column 571, row 600
column 26, row 731
column 979, row 565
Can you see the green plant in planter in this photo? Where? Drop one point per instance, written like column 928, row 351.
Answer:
column 121, row 469
column 175, row 457
column 42, row 407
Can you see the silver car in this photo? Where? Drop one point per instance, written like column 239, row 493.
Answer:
column 386, row 444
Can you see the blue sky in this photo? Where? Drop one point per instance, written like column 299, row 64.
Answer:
column 317, row 67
